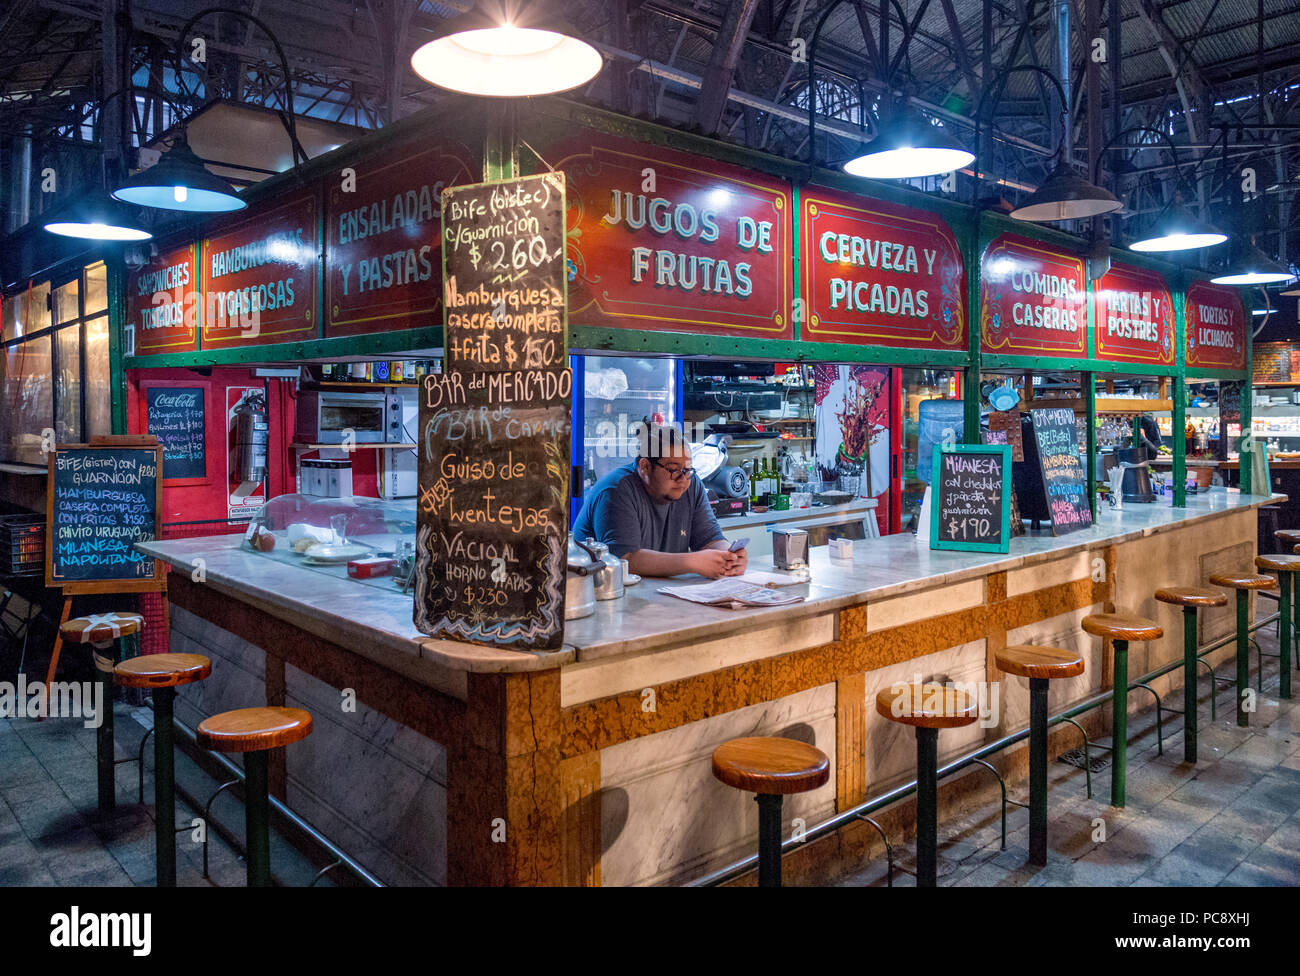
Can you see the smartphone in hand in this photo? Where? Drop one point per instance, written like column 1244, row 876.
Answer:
column 738, row 545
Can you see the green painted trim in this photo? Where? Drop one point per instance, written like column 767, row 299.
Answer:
column 796, row 264
column 116, row 273
column 1090, row 440
column 406, row 341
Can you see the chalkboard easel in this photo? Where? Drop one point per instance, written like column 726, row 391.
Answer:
column 102, row 579
column 970, row 509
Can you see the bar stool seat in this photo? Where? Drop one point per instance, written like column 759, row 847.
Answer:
column 100, row 628
column 1120, row 628
column 1031, row 661
column 1040, row 665
column 770, row 767
column 1243, row 583
column 255, row 731
column 1278, row 563
column 1287, row 537
column 927, row 708
column 1191, row 596
column 162, row 670
column 163, row 673
column 1285, row 566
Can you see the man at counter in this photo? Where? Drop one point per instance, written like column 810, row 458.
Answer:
column 655, row 513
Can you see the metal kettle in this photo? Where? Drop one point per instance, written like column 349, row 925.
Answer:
column 609, row 578
column 580, row 581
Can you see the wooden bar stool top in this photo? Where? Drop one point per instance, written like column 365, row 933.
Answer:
column 927, row 706
column 99, row 628
column 1243, row 581
column 253, row 729
column 1122, row 626
column 1278, row 563
column 162, row 670
column 771, row 765
column 1033, row 661
column 1192, row 596
column 1289, row 537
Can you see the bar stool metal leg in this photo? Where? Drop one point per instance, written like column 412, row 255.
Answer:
column 257, row 815
column 164, row 787
column 1189, row 684
column 1243, row 655
column 927, row 807
column 769, row 840
column 1284, row 638
column 105, row 769
column 1119, row 723
column 1038, row 771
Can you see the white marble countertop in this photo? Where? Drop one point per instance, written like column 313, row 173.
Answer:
column 377, row 624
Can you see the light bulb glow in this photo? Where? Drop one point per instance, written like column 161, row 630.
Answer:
column 175, row 197
column 180, row 194
column 1177, row 242
column 504, row 62
column 1253, row 278
column 97, row 231
column 908, row 162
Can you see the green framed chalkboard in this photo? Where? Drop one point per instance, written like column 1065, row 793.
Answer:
column 970, row 508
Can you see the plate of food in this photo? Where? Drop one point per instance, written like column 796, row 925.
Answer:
column 330, row 553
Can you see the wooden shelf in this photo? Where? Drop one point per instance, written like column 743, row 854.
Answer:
column 1105, row 404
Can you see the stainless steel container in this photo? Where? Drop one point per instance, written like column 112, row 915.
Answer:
column 580, row 581
column 609, row 578
column 789, row 548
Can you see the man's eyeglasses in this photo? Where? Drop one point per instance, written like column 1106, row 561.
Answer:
column 675, row 472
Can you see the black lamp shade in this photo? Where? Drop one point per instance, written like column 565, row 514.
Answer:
column 1251, row 266
column 95, row 216
column 1178, row 230
column 507, row 49
column 909, row 146
column 1065, row 195
column 180, row 181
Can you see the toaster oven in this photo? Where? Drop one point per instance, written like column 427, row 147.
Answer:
column 325, row 417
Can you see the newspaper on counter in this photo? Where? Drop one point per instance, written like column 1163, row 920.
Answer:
column 731, row 592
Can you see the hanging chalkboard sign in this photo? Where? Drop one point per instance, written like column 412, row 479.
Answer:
column 102, row 499
column 175, row 416
column 492, row 523
column 1064, row 484
column 971, row 507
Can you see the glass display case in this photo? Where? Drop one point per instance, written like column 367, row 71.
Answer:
column 370, row 540
column 618, row 392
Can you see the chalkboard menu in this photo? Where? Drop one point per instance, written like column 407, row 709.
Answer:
column 175, row 417
column 101, row 500
column 492, row 532
column 1064, row 483
column 971, row 506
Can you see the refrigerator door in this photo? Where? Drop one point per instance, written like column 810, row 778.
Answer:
column 619, row 393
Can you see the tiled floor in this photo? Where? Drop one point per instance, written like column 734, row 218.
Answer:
column 51, row 832
column 1232, row 819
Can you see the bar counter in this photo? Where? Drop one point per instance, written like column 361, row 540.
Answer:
column 592, row 762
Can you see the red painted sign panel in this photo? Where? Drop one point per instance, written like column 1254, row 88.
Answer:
column 259, row 276
column 162, row 306
column 1133, row 317
column 1216, row 327
column 383, row 238
column 880, row 274
column 664, row 240
column 1032, row 300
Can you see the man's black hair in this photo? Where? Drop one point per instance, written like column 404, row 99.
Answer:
column 656, row 440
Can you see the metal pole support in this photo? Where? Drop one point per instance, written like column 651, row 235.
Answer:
column 105, row 768
column 1119, row 723
column 1038, row 771
column 1284, row 625
column 164, row 787
column 927, row 807
column 257, row 817
column 1189, row 684
column 769, row 840
column 1243, row 655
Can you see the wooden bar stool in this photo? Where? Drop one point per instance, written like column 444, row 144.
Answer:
column 163, row 674
column 99, row 631
column 1243, row 583
column 1288, row 539
column 1040, row 665
column 1286, row 566
column 771, row 768
column 1120, row 628
column 254, row 731
column 928, row 708
column 1190, row 598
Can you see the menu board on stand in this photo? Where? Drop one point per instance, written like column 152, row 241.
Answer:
column 971, row 509
column 1064, row 483
column 493, row 491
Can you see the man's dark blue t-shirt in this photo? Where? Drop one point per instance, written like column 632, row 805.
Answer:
column 619, row 512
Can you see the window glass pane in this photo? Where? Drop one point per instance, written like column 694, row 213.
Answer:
column 28, row 400
column 66, row 307
column 96, row 299
column 11, row 314
column 99, row 395
column 68, row 387
column 38, row 308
